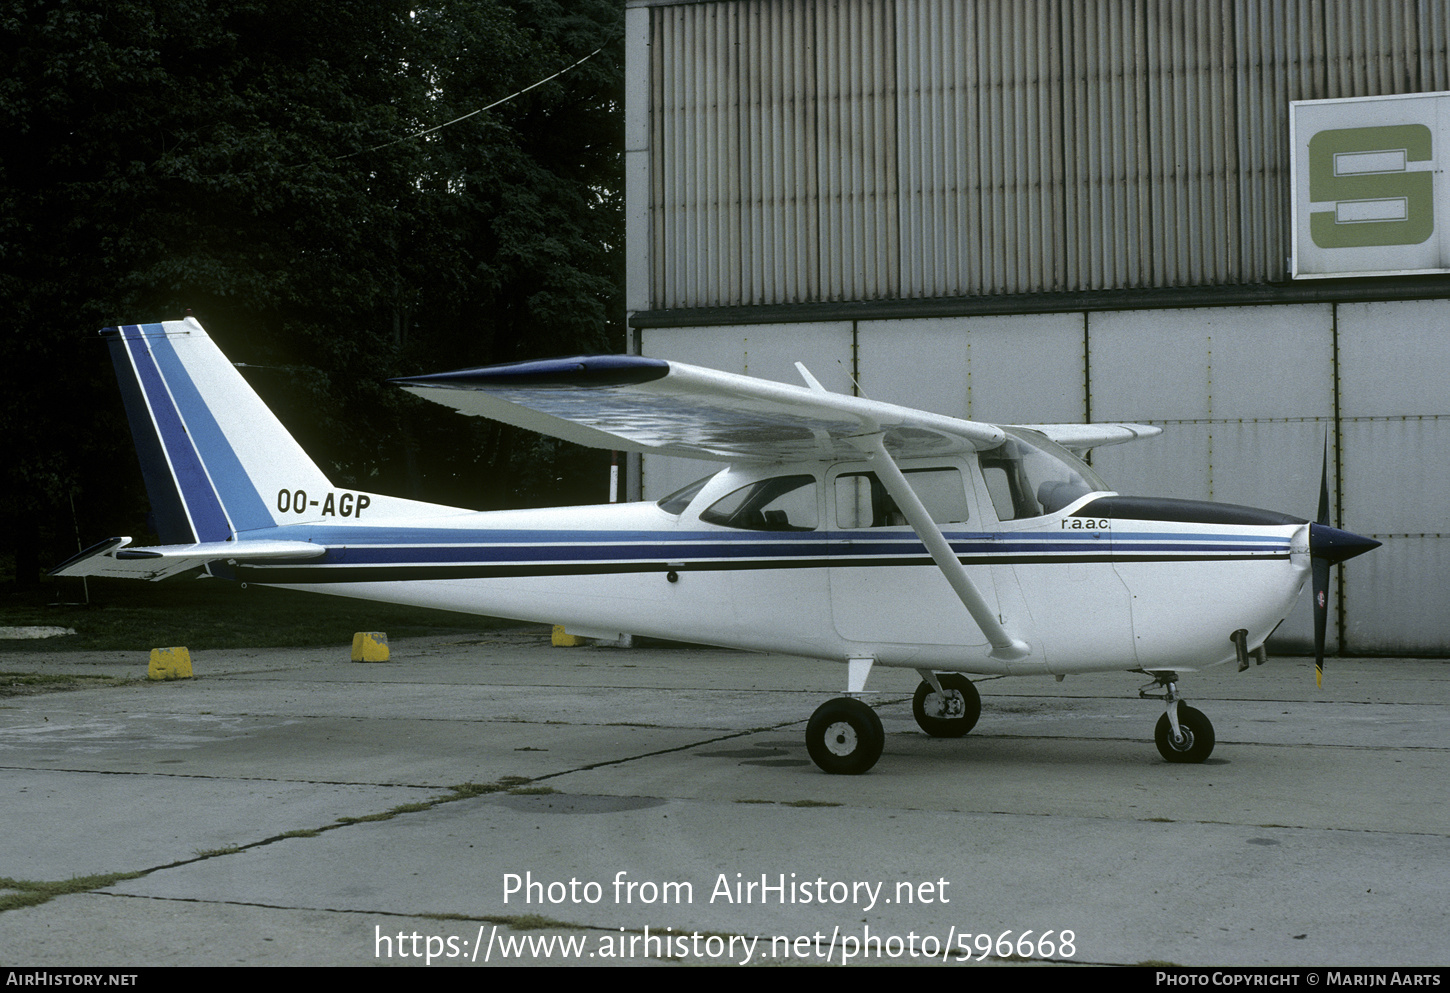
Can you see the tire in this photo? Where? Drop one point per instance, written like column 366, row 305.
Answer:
column 1198, row 736
column 951, row 716
column 845, row 737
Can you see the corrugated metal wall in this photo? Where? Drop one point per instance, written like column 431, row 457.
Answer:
column 771, row 183
column 870, row 149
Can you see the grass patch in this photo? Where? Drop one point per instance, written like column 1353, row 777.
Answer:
column 519, row 922
column 30, row 683
column 206, row 853
column 536, row 922
column 386, row 815
column 464, row 791
column 128, row 615
column 515, row 785
column 31, row 894
column 810, row 803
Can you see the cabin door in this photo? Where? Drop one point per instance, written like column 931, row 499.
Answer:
column 885, row 588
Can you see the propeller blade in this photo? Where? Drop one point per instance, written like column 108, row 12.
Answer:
column 1321, row 570
column 1328, row 546
column 1321, row 615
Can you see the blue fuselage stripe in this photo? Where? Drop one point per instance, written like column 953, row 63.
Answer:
column 616, row 551
column 362, row 535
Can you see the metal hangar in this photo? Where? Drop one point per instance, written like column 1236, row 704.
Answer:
column 1230, row 218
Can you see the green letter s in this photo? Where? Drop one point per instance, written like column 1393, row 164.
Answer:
column 1376, row 183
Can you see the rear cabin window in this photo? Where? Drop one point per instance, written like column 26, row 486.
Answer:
column 862, row 500
column 783, row 503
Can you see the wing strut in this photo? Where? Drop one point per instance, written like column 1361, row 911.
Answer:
column 1004, row 647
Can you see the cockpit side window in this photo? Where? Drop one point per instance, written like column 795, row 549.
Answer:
column 781, row 503
column 862, row 500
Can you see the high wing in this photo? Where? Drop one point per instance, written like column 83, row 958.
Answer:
column 634, row 403
column 114, row 559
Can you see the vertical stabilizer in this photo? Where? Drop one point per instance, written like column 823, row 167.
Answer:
column 211, row 452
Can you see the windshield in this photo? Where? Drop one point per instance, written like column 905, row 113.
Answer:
column 677, row 501
column 1029, row 476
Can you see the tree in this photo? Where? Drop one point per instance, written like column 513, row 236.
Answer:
column 240, row 158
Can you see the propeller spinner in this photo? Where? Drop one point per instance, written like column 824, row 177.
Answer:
column 1328, row 546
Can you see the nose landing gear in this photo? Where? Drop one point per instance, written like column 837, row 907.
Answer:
column 1182, row 734
column 947, row 705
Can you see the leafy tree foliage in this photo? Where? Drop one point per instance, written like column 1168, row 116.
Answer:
column 240, row 158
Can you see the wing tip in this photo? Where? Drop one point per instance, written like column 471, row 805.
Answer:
column 99, row 548
column 576, row 372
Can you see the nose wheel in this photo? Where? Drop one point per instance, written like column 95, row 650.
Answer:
column 949, row 709
column 1194, row 741
column 1182, row 733
column 845, row 737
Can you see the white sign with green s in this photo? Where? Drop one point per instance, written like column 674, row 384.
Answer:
column 1369, row 190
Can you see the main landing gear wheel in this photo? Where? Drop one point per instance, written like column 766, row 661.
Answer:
column 845, row 736
column 1197, row 741
column 950, row 713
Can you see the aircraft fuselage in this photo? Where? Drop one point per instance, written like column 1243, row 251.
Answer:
column 1100, row 584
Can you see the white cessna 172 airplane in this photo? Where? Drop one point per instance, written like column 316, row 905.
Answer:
column 841, row 528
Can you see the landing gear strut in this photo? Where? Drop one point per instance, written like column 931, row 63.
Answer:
column 1183, row 734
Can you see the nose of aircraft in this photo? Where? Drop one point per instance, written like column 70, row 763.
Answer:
column 1334, row 545
column 1328, row 545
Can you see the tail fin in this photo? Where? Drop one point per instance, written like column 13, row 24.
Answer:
column 217, row 462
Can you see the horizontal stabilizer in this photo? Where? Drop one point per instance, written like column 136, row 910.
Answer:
column 115, row 559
